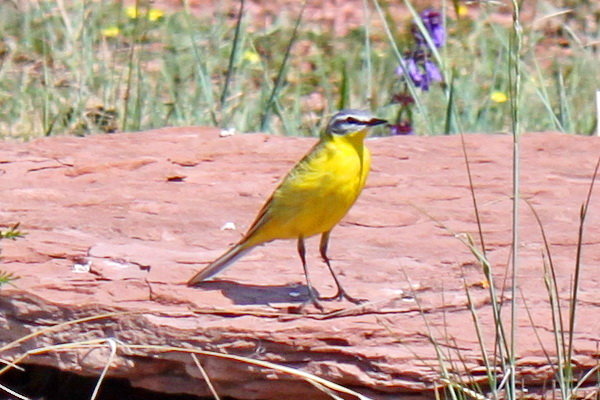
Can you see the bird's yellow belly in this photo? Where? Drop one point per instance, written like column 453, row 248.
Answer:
column 312, row 213
column 314, row 199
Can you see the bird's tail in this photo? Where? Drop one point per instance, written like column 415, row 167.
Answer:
column 220, row 263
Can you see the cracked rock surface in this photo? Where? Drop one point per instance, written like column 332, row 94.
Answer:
column 119, row 223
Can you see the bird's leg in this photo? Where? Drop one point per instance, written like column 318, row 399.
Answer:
column 314, row 298
column 341, row 293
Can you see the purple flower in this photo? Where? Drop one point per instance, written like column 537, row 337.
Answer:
column 412, row 69
column 421, row 71
column 432, row 71
column 402, row 128
column 416, row 66
column 433, row 23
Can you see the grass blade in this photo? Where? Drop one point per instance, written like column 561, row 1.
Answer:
column 344, row 90
column 233, row 55
column 281, row 73
column 449, row 108
column 202, row 73
column 514, row 76
column 572, row 308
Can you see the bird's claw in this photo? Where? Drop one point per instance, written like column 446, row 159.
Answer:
column 313, row 297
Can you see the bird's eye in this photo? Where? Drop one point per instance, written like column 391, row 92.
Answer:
column 352, row 120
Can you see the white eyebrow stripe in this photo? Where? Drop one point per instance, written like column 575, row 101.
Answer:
column 354, row 120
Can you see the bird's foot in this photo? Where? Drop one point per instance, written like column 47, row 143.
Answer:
column 313, row 298
column 341, row 294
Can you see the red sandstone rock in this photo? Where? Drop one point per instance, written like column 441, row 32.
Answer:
column 144, row 210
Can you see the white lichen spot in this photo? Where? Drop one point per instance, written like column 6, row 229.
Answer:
column 227, row 132
column 82, row 267
column 228, row 226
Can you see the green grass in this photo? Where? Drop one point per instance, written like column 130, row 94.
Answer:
column 503, row 376
column 13, row 233
column 61, row 74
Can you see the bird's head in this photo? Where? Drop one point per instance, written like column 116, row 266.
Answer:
column 347, row 122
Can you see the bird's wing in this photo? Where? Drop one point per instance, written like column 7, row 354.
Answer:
column 260, row 219
column 301, row 169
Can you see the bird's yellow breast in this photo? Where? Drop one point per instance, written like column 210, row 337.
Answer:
column 317, row 192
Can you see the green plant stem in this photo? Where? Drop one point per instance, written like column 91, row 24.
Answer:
column 514, row 86
column 281, row 73
column 368, row 52
column 232, row 56
column 130, row 66
column 573, row 305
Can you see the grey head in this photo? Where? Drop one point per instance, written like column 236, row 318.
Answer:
column 349, row 121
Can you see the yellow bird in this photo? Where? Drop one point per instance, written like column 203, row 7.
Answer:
column 313, row 197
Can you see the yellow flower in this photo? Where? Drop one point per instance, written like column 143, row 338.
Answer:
column 132, row 12
column 155, row 14
column 111, row 31
column 462, row 10
column 498, row 97
column 251, row 56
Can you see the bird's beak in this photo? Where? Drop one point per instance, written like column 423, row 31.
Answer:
column 376, row 121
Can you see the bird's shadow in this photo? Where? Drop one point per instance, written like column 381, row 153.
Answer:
column 244, row 294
